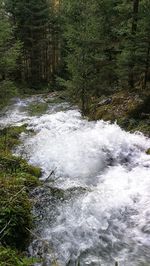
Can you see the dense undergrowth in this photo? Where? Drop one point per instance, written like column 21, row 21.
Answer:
column 17, row 178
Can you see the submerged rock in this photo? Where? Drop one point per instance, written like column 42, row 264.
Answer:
column 148, row 151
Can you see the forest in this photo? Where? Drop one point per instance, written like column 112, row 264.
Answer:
column 90, row 48
column 94, row 54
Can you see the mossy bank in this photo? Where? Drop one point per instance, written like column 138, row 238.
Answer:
column 17, row 179
column 131, row 110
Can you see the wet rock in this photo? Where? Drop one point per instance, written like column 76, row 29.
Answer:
column 146, row 228
column 148, row 152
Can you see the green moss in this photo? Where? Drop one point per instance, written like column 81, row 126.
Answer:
column 134, row 125
column 37, row 108
column 29, row 181
column 127, row 123
column 10, row 257
column 15, row 215
column 142, row 110
column 57, row 193
column 100, row 113
column 12, row 165
column 16, row 180
column 148, row 151
column 54, row 100
column 143, row 127
column 130, row 110
column 9, row 137
column 35, row 171
column 19, row 168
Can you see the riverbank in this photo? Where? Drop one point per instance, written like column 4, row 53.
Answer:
column 17, row 179
column 98, row 192
column 131, row 110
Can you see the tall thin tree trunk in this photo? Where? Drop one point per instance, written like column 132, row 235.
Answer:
column 146, row 67
column 133, row 33
column 135, row 16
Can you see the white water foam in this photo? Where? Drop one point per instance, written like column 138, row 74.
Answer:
column 113, row 218
column 110, row 221
column 78, row 150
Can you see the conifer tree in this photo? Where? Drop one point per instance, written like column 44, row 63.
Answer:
column 91, row 47
column 144, row 44
column 35, row 24
column 134, row 32
column 9, row 53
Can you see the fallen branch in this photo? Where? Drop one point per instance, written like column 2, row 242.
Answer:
column 5, row 227
column 51, row 173
column 12, row 198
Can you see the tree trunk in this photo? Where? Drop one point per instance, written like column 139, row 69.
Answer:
column 133, row 33
column 146, row 67
column 135, row 16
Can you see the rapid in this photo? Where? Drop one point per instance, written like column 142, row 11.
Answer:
column 94, row 205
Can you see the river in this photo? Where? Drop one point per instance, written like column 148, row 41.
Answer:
column 94, row 205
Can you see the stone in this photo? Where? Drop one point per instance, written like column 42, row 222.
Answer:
column 105, row 101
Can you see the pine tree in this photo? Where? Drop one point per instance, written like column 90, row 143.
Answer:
column 144, row 44
column 9, row 53
column 91, row 47
column 79, row 49
column 35, row 23
column 134, row 31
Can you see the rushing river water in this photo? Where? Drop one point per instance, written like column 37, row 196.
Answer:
column 94, row 205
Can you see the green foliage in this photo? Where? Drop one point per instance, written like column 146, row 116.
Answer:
column 34, row 171
column 9, row 137
column 9, row 257
column 91, row 48
column 16, row 166
column 15, row 214
column 7, row 91
column 34, row 27
column 9, row 47
column 134, row 44
column 9, row 53
column 142, row 110
column 16, row 180
column 130, row 111
column 107, row 47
